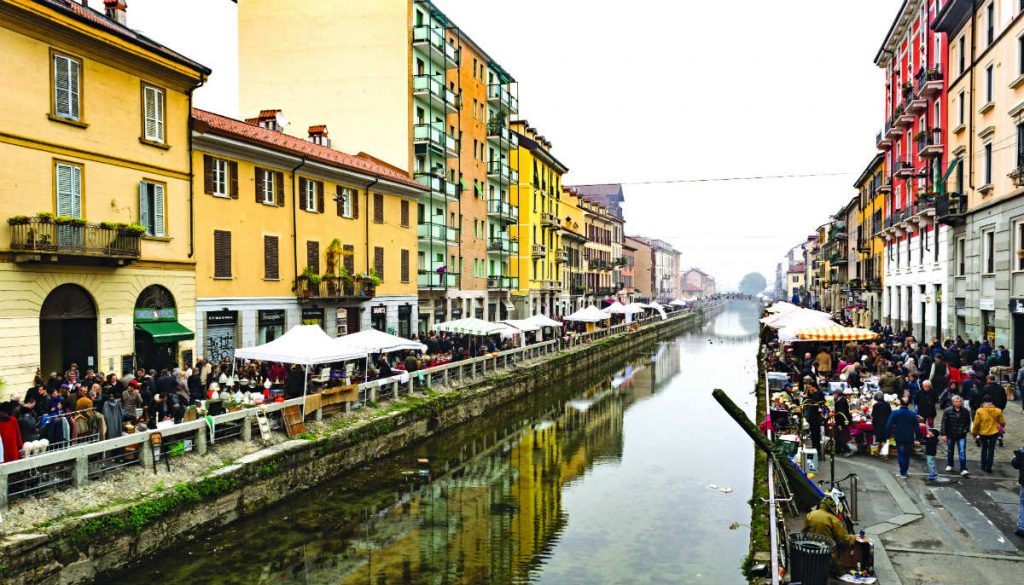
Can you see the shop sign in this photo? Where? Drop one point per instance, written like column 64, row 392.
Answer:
column 145, row 314
column 379, row 310
column 987, row 305
column 271, row 318
column 221, row 318
column 312, row 314
column 456, row 313
column 404, row 311
column 1017, row 306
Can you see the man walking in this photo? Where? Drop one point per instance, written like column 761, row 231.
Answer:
column 956, row 423
column 987, row 422
column 905, row 430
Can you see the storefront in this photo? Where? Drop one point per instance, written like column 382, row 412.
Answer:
column 270, row 325
column 157, row 330
column 313, row 316
column 405, row 321
column 1017, row 318
column 221, row 335
column 379, row 317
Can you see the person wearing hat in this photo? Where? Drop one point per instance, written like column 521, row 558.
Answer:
column 824, row 522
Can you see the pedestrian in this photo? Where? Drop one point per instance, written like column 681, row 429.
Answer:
column 1018, row 464
column 812, row 412
column 987, row 426
column 905, row 430
column 926, row 400
column 956, row 423
column 1020, row 383
column 931, row 447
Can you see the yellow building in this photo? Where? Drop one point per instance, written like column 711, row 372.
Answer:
column 537, row 194
column 291, row 231
column 570, row 257
column 417, row 92
column 96, row 253
column 598, row 226
column 872, row 186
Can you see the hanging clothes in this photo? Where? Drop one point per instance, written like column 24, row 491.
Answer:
column 114, row 416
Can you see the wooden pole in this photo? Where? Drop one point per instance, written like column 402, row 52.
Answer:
column 805, row 492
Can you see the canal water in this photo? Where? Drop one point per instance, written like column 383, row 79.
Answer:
column 635, row 477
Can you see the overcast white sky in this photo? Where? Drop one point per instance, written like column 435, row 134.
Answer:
column 681, row 89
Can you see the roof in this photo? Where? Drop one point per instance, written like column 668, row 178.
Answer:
column 796, row 268
column 869, row 170
column 100, row 21
column 889, row 34
column 603, row 190
column 531, row 145
column 699, row 271
column 297, row 146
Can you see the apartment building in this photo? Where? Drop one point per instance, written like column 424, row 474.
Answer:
column 913, row 56
column 571, row 255
column 97, row 262
column 983, row 203
column 598, row 253
column 867, row 274
column 643, row 270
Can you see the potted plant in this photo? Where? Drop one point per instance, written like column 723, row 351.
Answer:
column 920, row 136
column 18, row 220
column 45, row 217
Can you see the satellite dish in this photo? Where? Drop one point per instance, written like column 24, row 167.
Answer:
column 281, row 122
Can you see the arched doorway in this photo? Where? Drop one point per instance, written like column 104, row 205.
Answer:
column 157, row 331
column 67, row 329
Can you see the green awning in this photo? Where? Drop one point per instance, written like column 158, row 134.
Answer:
column 166, row 331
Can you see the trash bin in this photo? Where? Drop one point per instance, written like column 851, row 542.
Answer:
column 810, row 558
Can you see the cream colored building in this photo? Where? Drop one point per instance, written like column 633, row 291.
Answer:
column 96, row 250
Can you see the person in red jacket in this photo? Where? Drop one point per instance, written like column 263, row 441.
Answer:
column 10, row 434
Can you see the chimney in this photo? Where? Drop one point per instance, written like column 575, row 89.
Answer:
column 318, row 135
column 271, row 120
column 117, row 10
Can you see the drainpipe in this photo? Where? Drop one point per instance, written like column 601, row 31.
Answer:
column 191, row 177
column 295, row 220
column 970, row 128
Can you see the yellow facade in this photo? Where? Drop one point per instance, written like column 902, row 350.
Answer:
column 537, row 194
column 871, row 189
column 264, row 283
column 76, row 142
column 598, row 253
column 572, row 253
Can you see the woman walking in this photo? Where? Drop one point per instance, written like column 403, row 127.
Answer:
column 988, row 423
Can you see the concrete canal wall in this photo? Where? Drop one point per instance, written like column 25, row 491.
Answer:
column 96, row 546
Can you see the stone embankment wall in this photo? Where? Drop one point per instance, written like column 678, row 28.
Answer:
column 95, row 547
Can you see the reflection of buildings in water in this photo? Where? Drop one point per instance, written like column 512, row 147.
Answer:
column 666, row 364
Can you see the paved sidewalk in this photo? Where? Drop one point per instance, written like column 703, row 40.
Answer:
column 953, row 530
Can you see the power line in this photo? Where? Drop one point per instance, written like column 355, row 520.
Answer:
column 725, row 179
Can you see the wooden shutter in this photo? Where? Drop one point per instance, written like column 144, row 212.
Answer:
column 233, row 179
column 208, row 178
column 270, row 262
column 66, row 87
column 320, row 197
column 302, row 194
column 221, row 254
column 355, row 204
column 149, row 113
column 378, row 208
column 313, row 255
column 339, row 196
column 158, row 211
column 405, row 213
column 378, row 261
column 405, row 265
column 144, row 207
column 278, row 187
column 349, row 259
column 69, row 190
column 260, row 176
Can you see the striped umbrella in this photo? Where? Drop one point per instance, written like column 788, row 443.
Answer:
column 835, row 333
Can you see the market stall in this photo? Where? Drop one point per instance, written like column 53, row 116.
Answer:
column 590, row 315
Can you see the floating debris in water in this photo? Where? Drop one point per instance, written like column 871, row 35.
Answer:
column 422, row 460
column 724, row 490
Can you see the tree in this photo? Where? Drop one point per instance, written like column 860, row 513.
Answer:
column 753, row 283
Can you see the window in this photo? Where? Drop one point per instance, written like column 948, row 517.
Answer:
column 405, row 265
column 378, row 261
column 378, row 208
column 221, row 254
column 961, row 104
column 220, row 177
column 961, row 256
column 270, row 260
column 1020, row 146
column 990, row 23
column 962, row 53
column 405, row 214
column 988, row 163
column 269, row 187
column 988, row 251
column 153, row 113
column 1020, row 54
column 68, row 181
column 67, row 87
column 151, row 208
column 1019, row 232
column 988, row 84
column 313, row 255
column 344, row 198
column 312, row 195
column 349, row 258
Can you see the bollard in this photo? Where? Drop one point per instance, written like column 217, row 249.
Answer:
column 371, row 394
column 318, row 414
column 446, row 376
column 410, row 386
column 81, row 471
column 200, row 440
column 395, row 387
column 247, row 428
column 147, row 454
column 348, row 407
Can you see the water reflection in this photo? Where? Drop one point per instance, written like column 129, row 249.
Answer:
column 604, row 484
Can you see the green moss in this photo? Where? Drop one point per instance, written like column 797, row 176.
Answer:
column 269, row 469
column 759, row 520
column 305, row 436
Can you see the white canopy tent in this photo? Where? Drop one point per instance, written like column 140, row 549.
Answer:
column 798, row 317
column 589, row 314
column 678, row 303
column 544, row 321
column 615, row 308
column 661, row 310
column 523, row 325
column 474, row 326
column 373, row 341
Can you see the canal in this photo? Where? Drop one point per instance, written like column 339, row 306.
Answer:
column 635, row 476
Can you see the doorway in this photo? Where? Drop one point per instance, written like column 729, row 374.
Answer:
column 67, row 329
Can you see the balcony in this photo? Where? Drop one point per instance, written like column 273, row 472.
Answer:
column 917, row 105
column 951, row 209
column 886, row 186
column 883, row 140
column 335, row 289
column 439, row 188
column 499, row 135
column 597, row 264
column 502, row 283
column 562, row 257
column 503, row 245
column 498, row 96
column 550, row 220
column 46, row 240
column 502, row 210
column 499, row 171
column 432, row 89
column 431, row 41
column 929, row 82
column 607, row 291
column 432, row 279
column 904, row 169
column 538, row 251
column 436, row 232
column 892, row 131
column 902, row 118
column 432, row 136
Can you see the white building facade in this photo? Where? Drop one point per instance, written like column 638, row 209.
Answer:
column 916, row 264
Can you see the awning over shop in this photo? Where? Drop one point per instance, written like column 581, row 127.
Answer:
column 167, row 331
column 834, row 333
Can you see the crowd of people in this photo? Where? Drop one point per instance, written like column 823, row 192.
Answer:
column 896, row 390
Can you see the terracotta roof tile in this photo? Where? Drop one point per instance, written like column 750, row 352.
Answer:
column 318, row 129
column 297, row 146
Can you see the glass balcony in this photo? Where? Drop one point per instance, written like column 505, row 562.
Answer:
column 502, row 210
column 499, row 171
column 434, row 279
column 439, row 188
column 501, row 136
column 499, row 97
column 502, row 246
column 434, row 137
column 438, row 233
column 432, row 88
column 431, row 40
column 502, row 282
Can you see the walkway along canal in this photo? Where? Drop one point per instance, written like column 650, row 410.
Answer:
column 633, row 476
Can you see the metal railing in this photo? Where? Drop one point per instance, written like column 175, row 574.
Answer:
column 434, row 279
column 502, row 209
column 503, row 282
column 79, row 463
column 335, row 288
column 48, row 236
